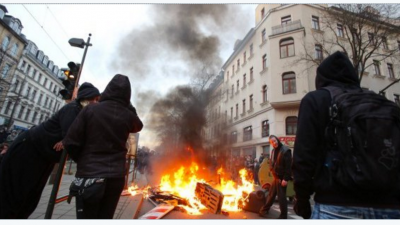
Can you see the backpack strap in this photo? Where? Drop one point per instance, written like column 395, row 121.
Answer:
column 334, row 91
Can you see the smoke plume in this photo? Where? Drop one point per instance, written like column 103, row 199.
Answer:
column 181, row 41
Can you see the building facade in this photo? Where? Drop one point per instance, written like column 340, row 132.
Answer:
column 12, row 45
column 33, row 93
column 265, row 79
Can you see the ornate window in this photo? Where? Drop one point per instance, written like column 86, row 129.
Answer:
column 247, row 133
column 264, row 61
column 390, row 70
column 14, row 49
column 340, row 30
column 233, row 136
column 315, row 22
column 263, row 36
column 291, row 125
column 289, row 83
column 286, row 47
column 264, row 93
column 265, row 128
column 318, row 52
column 286, row 19
column 5, row 43
column 377, row 67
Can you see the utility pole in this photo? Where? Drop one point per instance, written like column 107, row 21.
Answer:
column 57, row 180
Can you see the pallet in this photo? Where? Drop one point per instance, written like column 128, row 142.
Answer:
column 209, row 197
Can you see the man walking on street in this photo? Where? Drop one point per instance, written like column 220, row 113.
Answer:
column 281, row 159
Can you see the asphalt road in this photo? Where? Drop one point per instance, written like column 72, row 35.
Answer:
column 175, row 214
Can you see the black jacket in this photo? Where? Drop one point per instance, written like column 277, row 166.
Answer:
column 53, row 130
column 310, row 176
column 281, row 164
column 97, row 138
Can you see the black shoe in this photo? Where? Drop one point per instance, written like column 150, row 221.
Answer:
column 263, row 213
column 282, row 217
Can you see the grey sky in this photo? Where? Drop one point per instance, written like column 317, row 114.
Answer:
column 157, row 46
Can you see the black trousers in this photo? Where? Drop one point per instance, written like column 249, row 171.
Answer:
column 276, row 188
column 23, row 176
column 102, row 200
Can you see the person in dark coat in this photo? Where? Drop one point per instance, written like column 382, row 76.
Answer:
column 281, row 160
column 309, row 156
column 3, row 134
column 255, row 172
column 31, row 157
column 12, row 137
column 261, row 159
column 3, row 150
column 97, row 142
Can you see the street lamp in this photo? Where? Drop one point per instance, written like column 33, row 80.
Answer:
column 77, row 42
column 80, row 43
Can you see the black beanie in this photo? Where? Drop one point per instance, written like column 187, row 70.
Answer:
column 87, row 90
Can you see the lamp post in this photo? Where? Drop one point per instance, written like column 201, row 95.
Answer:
column 80, row 43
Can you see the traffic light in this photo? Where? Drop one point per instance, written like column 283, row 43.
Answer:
column 71, row 74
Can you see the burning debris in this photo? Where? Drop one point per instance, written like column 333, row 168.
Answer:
column 190, row 194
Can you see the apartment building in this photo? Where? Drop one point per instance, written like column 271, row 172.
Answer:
column 34, row 83
column 12, row 45
column 265, row 78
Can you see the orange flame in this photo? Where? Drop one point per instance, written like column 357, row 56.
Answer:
column 220, row 170
column 134, row 190
column 183, row 183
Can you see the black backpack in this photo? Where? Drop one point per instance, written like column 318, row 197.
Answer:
column 363, row 137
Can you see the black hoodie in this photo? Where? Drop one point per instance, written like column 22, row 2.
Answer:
column 53, row 130
column 309, row 150
column 97, row 138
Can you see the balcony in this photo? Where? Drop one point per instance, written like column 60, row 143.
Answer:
column 294, row 25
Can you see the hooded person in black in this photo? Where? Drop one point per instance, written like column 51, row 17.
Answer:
column 30, row 159
column 309, row 154
column 97, row 142
column 281, row 160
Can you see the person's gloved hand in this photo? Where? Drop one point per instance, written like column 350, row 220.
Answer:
column 302, row 207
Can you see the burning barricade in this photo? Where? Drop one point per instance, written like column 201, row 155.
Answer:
column 193, row 195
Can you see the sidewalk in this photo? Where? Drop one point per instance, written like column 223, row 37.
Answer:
column 126, row 207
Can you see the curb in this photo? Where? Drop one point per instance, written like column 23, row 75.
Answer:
column 131, row 211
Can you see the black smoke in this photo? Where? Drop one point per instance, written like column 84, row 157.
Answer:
column 180, row 36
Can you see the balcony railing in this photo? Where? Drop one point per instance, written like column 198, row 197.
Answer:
column 294, row 25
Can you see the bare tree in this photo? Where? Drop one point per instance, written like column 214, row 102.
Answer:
column 361, row 31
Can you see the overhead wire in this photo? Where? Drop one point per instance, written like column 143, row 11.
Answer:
column 59, row 24
column 47, row 33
